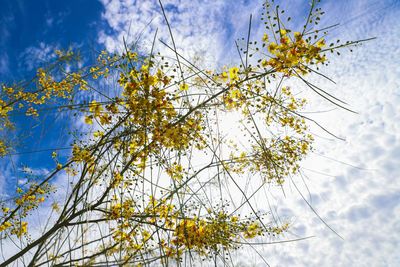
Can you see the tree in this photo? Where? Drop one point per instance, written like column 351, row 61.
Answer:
column 154, row 179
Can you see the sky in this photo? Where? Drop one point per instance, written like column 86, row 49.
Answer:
column 354, row 184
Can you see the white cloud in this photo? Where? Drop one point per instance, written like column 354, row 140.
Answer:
column 206, row 28
column 33, row 56
column 362, row 204
column 362, row 199
column 35, row 172
column 5, row 34
column 7, row 175
column 4, row 63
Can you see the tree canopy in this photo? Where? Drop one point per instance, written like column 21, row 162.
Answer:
column 152, row 177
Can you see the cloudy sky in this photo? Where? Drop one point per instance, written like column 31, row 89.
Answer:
column 354, row 184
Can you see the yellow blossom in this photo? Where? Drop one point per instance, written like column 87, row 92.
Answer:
column 265, row 38
column 233, row 73
column 184, row 87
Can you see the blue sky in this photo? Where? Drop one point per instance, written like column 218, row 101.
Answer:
column 358, row 195
column 27, row 25
column 31, row 31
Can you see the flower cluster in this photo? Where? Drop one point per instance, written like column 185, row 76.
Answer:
column 136, row 229
column 293, row 54
column 45, row 90
column 26, row 201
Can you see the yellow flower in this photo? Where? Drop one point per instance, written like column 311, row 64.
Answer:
column 132, row 55
column 297, row 36
column 184, row 87
column 272, row 47
column 320, row 43
column 55, row 207
column 32, row 112
column 233, row 73
column 5, row 226
column 23, row 228
column 224, row 76
column 264, row 63
column 145, row 68
column 3, row 148
column 98, row 134
column 265, row 38
column 95, row 108
column 89, row 119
